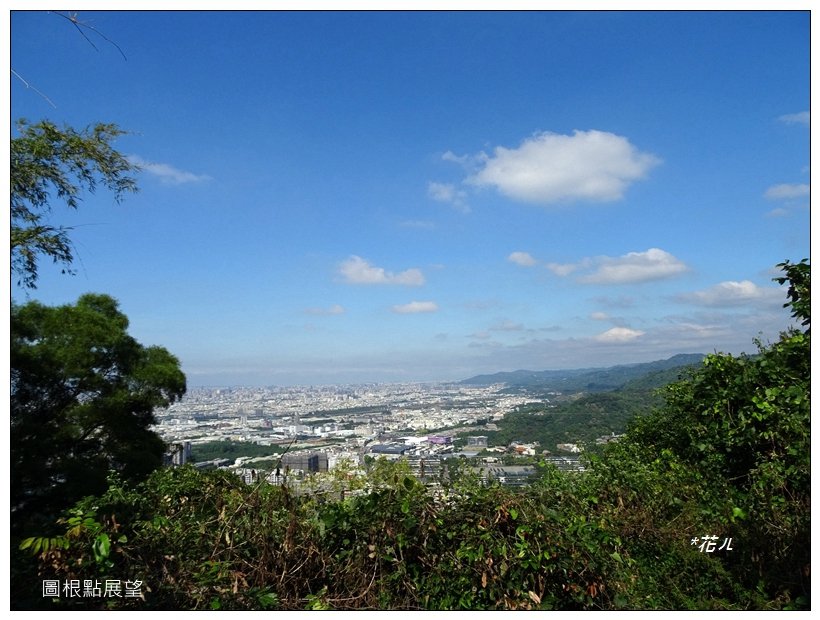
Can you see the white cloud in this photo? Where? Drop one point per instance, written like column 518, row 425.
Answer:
column 599, row 316
column 799, row 118
column 356, row 270
column 733, row 293
column 563, row 269
column 524, row 259
column 450, row 194
column 167, row 173
column 654, row 264
column 416, row 307
column 467, row 161
column 548, row 168
column 332, row 310
column 618, row 335
column 786, row 191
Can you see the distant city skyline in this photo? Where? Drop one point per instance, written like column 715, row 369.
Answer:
column 357, row 197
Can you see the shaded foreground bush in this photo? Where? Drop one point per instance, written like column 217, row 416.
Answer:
column 205, row 540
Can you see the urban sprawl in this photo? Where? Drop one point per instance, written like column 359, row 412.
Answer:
column 323, row 427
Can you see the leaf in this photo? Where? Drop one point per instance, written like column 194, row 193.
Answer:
column 101, row 547
column 267, row 600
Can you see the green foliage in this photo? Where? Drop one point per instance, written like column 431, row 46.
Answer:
column 204, row 540
column 743, row 423
column 49, row 163
column 83, row 393
column 228, row 449
column 798, row 275
column 579, row 421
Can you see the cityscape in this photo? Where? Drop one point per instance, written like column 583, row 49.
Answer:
column 421, row 423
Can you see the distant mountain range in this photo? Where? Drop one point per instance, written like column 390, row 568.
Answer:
column 584, row 379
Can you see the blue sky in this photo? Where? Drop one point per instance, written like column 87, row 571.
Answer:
column 356, row 197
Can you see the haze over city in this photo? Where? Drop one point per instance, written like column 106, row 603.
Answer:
column 349, row 197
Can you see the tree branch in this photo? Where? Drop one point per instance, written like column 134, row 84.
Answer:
column 80, row 25
column 19, row 77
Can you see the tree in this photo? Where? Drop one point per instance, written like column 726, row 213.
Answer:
column 83, row 393
column 744, row 423
column 49, row 163
column 798, row 275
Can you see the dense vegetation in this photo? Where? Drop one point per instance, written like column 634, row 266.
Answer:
column 726, row 456
column 83, row 394
column 228, row 449
column 583, row 418
column 580, row 421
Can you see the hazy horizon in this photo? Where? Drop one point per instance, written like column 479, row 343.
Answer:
column 421, row 381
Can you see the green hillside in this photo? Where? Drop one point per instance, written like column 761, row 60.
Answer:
column 579, row 421
column 584, row 419
column 582, row 379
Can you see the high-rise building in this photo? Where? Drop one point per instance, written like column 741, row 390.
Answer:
column 178, row 454
column 306, row 461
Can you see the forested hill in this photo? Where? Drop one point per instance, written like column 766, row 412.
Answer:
column 584, row 379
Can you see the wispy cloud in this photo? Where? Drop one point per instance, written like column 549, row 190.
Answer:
column 450, row 194
column 778, row 212
column 356, row 270
column 787, row 191
column 420, row 224
column 481, row 335
column 416, row 307
column 507, row 326
column 549, row 168
column 462, row 160
column 524, row 259
column 565, row 269
column 799, row 118
column 166, row 173
column 622, row 302
column 732, row 293
column 332, row 310
column 631, row 268
column 654, row 264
